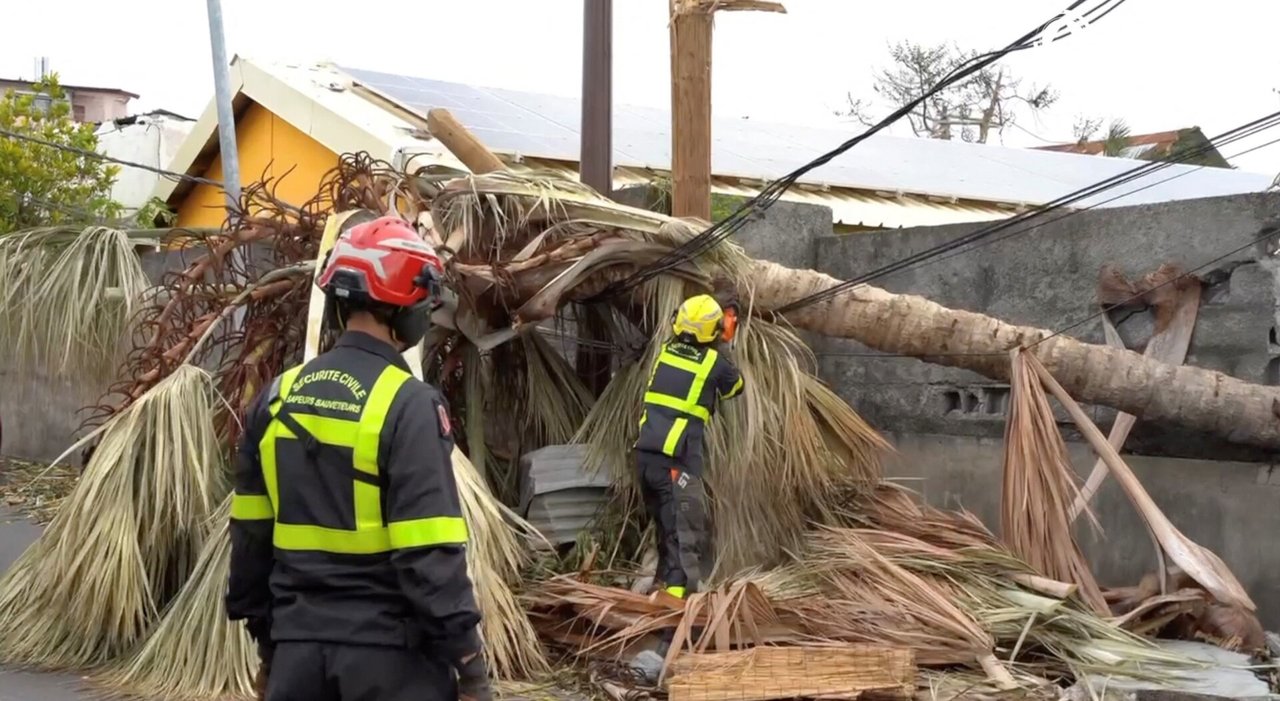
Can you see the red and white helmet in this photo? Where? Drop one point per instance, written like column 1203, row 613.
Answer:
column 383, row 261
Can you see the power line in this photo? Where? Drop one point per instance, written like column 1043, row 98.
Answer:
column 172, row 175
column 1240, row 132
column 721, row 230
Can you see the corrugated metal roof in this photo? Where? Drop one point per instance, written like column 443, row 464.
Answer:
column 851, row 210
column 546, row 126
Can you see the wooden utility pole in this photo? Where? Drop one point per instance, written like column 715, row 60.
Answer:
column 691, row 100
column 596, row 146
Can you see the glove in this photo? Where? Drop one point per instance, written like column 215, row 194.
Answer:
column 473, row 678
column 259, row 630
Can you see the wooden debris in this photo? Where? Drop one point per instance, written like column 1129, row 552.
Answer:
column 763, row 673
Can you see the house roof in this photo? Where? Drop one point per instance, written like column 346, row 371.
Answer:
column 885, row 181
column 1137, row 145
column 315, row 99
column 9, row 82
column 546, row 126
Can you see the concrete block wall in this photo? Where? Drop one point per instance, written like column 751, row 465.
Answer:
column 947, row 424
column 1048, row 278
column 1227, row 507
column 40, row 415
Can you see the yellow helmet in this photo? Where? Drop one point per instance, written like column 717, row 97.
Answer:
column 700, row 317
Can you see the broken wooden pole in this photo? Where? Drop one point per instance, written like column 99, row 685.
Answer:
column 461, row 142
column 691, row 100
column 690, row 109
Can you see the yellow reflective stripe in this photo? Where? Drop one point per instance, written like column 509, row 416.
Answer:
column 734, row 390
column 267, row 446
column 368, row 541
column 341, row 433
column 673, row 436
column 251, row 507
column 700, row 376
column 678, row 404
column 675, row 361
column 374, row 415
column 373, row 418
column 677, row 592
column 425, row 532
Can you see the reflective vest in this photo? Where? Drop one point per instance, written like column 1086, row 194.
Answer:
column 333, row 440
column 681, row 397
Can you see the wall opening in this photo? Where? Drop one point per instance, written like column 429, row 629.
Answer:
column 1273, row 372
column 950, row 401
column 997, row 401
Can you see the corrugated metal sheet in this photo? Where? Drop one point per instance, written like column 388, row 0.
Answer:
column 851, row 210
column 546, row 126
column 557, row 496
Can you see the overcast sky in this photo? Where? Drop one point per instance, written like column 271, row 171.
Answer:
column 1159, row 64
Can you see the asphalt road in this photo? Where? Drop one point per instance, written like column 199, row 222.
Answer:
column 16, row 533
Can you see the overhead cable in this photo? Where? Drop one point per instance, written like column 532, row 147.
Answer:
column 1140, row 171
column 772, row 192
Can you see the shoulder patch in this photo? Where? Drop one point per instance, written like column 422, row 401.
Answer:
column 446, row 428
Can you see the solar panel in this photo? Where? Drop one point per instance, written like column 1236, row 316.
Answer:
column 547, row 126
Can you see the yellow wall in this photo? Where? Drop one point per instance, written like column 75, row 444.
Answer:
column 266, row 144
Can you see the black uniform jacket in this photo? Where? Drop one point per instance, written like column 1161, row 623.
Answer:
column 402, row 580
column 686, row 384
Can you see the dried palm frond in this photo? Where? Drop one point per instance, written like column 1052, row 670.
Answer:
column 989, row 584
column 1201, row 564
column 127, row 538
column 495, row 557
column 1039, row 489
column 528, row 243
column 898, row 605
column 66, row 299
column 194, row 653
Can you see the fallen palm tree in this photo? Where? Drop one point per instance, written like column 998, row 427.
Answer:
column 527, row 258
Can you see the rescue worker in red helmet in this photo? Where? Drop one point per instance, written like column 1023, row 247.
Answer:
column 347, row 539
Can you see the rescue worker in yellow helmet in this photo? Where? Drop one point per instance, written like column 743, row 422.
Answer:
column 348, row 547
column 688, row 380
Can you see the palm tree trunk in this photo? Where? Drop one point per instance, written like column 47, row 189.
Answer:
column 1198, row 399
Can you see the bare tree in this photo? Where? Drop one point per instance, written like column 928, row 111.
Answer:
column 972, row 108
